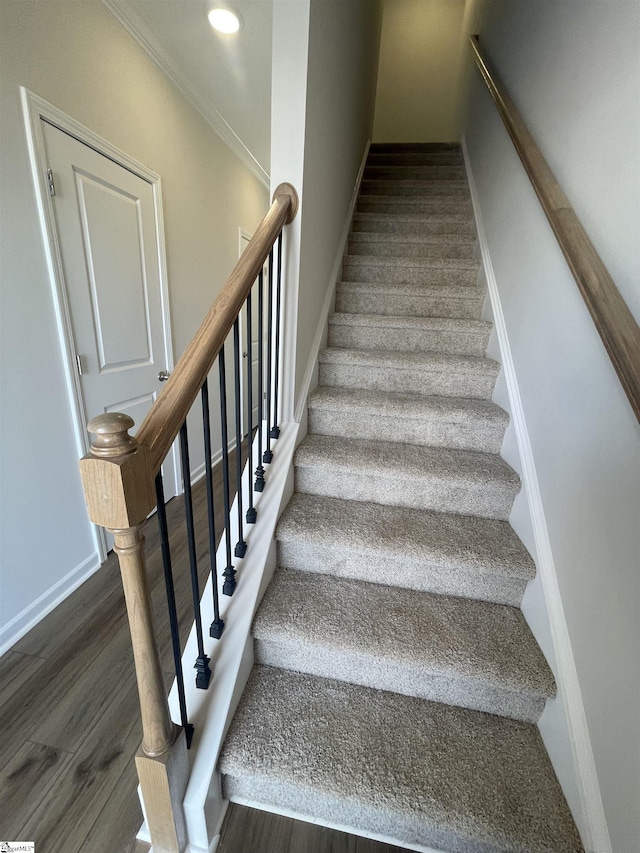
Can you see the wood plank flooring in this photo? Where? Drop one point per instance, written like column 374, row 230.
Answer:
column 70, row 726
column 251, row 831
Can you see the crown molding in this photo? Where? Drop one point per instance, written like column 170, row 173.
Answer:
column 134, row 24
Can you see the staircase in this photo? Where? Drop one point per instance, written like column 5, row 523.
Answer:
column 397, row 686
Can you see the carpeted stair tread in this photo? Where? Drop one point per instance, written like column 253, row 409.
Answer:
column 382, row 288
column 410, row 418
column 375, row 171
column 443, row 205
column 419, row 772
column 398, row 405
column 414, row 147
column 462, row 301
column 410, row 270
column 412, row 223
column 455, row 650
column 398, row 545
column 411, row 245
column 432, row 158
column 441, row 479
column 413, row 372
column 447, row 189
column 418, row 334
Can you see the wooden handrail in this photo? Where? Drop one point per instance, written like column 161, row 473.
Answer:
column 616, row 325
column 162, row 424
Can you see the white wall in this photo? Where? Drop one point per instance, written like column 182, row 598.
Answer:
column 419, row 96
column 76, row 56
column 319, row 135
column 573, row 69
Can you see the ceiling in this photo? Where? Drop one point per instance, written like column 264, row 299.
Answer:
column 226, row 78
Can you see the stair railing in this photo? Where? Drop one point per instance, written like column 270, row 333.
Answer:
column 616, row 325
column 122, row 481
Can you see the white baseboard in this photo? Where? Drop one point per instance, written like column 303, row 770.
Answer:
column 594, row 823
column 198, row 472
column 38, row 609
column 310, row 375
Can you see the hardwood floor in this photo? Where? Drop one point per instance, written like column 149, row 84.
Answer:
column 250, row 831
column 69, row 717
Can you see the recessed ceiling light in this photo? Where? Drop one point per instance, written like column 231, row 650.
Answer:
column 224, row 20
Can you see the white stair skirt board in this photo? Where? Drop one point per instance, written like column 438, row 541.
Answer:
column 211, row 711
column 310, row 379
column 594, row 824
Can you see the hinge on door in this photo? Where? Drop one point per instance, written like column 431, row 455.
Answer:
column 52, row 186
column 79, row 364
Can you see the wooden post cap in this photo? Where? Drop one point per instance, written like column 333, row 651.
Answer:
column 287, row 191
column 110, row 435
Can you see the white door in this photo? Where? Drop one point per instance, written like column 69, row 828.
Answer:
column 107, row 233
column 253, row 349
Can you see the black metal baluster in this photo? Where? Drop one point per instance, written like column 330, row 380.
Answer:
column 275, row 430
column 268, row 455
column 229, row 572
column 203, row 671
column 259, row 486
column 251, row 511
column 171, row 604
column 217, row 626
column 241, row 545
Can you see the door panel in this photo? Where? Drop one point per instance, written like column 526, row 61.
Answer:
column 107, row 234
column 123, row 337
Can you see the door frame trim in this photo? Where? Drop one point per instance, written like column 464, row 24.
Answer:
column 35, row 110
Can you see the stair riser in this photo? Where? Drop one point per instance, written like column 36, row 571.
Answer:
column 481, row 435
column 394, row 676
column 378, row 566
column 389, row 249
column 417, row 172
column 488, row 500
column 436, row 158
column 445, row 190
column 403, row 148
column 408, row 340
column 404, row 305
column 414, row 207
column 441, row 383
column 363, row 270
column 424, row 226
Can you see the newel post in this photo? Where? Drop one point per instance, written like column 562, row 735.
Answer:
column 118, row 483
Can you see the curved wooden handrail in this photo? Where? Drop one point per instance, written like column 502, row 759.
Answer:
column 163, row 422
column 616, row 325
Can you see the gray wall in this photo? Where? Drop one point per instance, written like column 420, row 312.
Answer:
column 573, row 69
column 319, row 134
column 75, row 55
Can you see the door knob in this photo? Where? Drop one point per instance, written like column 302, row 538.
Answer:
column 163, row 376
